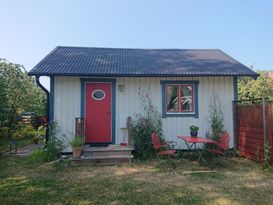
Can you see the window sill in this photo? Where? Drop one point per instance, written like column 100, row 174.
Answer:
column 165, row 115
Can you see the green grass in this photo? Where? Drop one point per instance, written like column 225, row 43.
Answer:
column 236, row 181
column 217, row 176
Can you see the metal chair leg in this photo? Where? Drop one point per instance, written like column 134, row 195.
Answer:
column 167, row 160
column 202, row 158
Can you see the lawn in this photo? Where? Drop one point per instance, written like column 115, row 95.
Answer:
column 236, row 181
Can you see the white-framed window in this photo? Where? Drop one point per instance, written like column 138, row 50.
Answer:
column 180, row 98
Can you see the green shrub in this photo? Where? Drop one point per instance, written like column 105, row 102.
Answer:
column 29, row 131
column 4, row 132
column 17, row 134
column 144, row 125
column 21, row 131
column 30, row 134
column 54, row 146
column 36, row 156
column 267, row 157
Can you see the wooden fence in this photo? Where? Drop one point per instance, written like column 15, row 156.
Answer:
column 253, row 129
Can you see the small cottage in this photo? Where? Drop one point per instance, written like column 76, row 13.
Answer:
column 102, row 86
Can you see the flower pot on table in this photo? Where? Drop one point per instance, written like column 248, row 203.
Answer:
column 194, row 133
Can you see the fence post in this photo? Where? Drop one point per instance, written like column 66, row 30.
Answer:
column 265, row 121
column 265, row 129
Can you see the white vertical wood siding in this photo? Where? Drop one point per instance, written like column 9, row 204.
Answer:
column 67, row 105
column 128, row 103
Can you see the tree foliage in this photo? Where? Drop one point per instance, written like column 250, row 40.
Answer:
column 248, row 88
column 18, row 93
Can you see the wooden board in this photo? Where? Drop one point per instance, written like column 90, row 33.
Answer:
column 250, row 131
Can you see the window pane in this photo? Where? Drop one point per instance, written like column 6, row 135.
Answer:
column 186, row 98
column 172, row 98
column 98, row 94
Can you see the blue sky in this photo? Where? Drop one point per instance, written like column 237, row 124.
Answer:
column 243, row 29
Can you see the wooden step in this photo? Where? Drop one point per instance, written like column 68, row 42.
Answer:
column 110, row 155
column 87, row 148
column 101, row 160
column 104, row 157
column 107, row 151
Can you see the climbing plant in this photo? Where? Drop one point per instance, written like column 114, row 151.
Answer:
column 144, row 124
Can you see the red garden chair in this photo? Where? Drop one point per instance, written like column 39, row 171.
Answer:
column 163, row 149
column 221, row 145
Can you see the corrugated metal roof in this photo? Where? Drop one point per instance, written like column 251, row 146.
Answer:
column 83, row 61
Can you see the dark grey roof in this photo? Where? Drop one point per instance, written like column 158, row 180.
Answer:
column 81, row 61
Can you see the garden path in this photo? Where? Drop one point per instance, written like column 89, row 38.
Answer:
column 24, row 151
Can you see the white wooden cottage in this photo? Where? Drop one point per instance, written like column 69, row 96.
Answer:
column 102, row 84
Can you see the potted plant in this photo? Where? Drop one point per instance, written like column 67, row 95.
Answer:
column 194, row 130
column 76, row 145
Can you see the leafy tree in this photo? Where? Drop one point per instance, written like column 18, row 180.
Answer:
column 18, row 93
column 248, row 88
column 3, row 100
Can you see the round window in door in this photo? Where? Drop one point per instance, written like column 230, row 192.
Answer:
column 98, row 94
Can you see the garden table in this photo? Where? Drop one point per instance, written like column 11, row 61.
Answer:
column 192, row 141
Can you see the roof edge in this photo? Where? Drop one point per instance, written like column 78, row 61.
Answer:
column 143, row 75
column 236, row 60
column 47, row 56
column 130, row 48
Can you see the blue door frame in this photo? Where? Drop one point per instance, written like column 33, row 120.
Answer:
column 83, row 94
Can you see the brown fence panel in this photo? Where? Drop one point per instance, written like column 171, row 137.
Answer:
column 269, row 133
column 250, row 131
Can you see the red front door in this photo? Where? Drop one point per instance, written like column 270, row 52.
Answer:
column 98, row 115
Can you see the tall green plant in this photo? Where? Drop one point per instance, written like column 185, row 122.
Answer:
column 267, row 157
column 144, row 125
column 216, row 118
column 55, row 144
